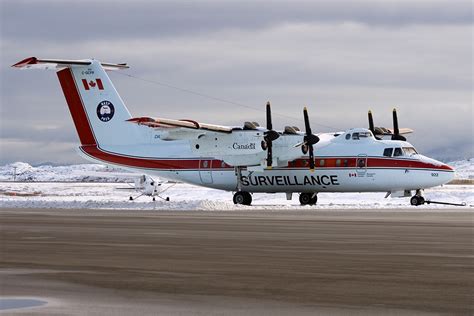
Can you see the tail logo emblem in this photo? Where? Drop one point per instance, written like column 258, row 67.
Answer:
column 105, row 111
column 92, row 84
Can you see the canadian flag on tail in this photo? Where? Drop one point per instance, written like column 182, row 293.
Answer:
column 91, row 84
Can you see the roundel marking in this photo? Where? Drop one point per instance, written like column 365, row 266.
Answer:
column 105, row 111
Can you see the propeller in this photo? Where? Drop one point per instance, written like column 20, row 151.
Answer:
column 309, row 140
column 269, row 136
column 396, row 132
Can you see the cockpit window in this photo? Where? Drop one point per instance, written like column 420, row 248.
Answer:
column 409, row 151
column 348, row 136
column 388, row 152
column 359, row 135
column 398, row 152
column 365, row 134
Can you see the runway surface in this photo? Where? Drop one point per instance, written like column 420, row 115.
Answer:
column 100, row 262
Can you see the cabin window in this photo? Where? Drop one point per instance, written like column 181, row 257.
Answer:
column 409, row 151
column 388, row 152
column 338, row 162
column 346, row 163
column 348, row 136
column 222, row 164
column 398, row 152
column 321, row 163
column 355, row 136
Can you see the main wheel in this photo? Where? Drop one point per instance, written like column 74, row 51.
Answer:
column 243, row 198
column 308, row 199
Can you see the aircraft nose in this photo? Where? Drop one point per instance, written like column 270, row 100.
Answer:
column 449, row 175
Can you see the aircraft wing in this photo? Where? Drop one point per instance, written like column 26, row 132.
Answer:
column 187, row 124
column 389, row 131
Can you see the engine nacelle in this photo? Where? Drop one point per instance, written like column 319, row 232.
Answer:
column 244, row 148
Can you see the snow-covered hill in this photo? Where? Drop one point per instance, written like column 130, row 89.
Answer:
column 21, row 171
column 85, row 172
column 464, row 168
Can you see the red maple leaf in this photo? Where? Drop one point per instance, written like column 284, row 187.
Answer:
column 92, row 83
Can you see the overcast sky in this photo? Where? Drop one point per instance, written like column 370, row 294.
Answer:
column 339, row 58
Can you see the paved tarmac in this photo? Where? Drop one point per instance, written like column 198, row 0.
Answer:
column 100, row 262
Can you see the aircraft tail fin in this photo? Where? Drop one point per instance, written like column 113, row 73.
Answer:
column 98, row 111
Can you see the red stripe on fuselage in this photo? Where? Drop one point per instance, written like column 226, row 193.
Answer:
column 193, row 163
column 76, row 107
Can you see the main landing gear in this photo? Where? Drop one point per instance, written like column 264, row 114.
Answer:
column 417, row 199
column 242, row 197
column 308, row 198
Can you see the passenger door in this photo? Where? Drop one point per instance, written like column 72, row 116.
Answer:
column 205, row 171
column 361, row 165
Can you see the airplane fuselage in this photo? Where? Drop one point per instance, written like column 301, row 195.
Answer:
column 341, row 165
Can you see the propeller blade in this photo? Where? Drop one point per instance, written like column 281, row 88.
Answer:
column 311, row 158
column 306, row 121
column 371, row 123
column 269, row 116
column 269, row 155
column 396, row 132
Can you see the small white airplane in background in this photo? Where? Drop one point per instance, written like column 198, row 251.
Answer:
column 244, row 159
column 143, row 184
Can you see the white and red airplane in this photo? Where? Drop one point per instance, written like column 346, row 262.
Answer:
column 244, row 159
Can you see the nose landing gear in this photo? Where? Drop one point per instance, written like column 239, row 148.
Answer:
column 417, row 199
column 308, row 198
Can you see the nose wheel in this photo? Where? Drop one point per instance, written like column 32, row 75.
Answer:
column 417, row 200
column 243, row 198
column 308, row 198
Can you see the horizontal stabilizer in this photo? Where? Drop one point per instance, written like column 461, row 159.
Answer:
column 36, row 63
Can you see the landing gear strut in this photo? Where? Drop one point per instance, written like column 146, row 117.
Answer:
column 308, row 198
column 417, row 199
column 242, row 197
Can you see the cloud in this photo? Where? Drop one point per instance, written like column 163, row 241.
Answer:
column 61, row 20
column 339, row 58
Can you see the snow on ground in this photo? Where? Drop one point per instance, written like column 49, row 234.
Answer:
column 189, row 197
column 82, row 192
